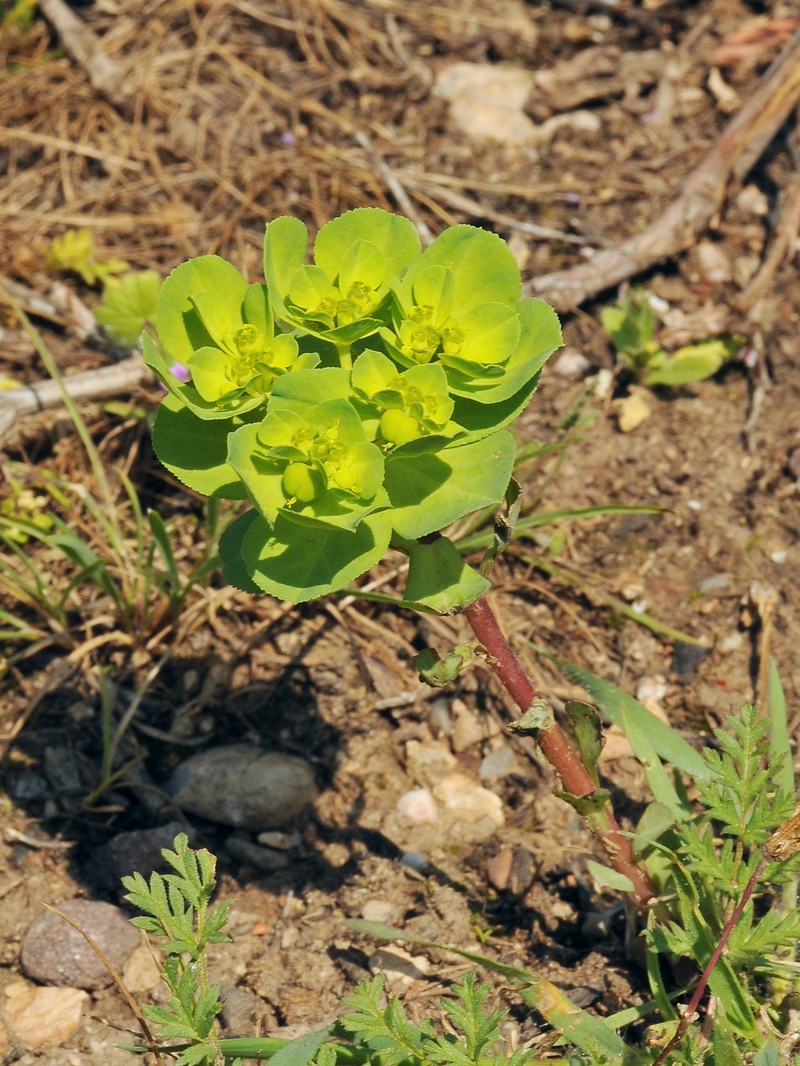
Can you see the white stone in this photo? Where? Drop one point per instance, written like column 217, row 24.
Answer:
column 605, row 379
column 468, row 801
column 731, row 642
column 714, row 264
column 381, row 910
column 571, row 364
column 41, row 1016
column 142, row 970
column 651, row 688
column 631, row 412
column 752, row 200
column 418, row 805
column 497, row 764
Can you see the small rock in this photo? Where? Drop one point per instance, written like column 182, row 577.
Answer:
column 399, row 967
column 562, row 911
column 686, row 658
column 498, row 764
column 629, row 584
column 731, row 642
column 498, row 869
column 523, row 871
column 597, row 925
column 572, row 364
column 279, row 841
column 142, row 971
column 631, row 412
column 605, row 379
column 54, row 953
column 429, row 763
column 385, row 681
column 727, row 98
column 439, row 718
column 486, row 101
column 28, row 787
column 42, row 1016
column 714, row 583
column 289, row 938
column 418, row 805
column 137, row 850
column 243, row 787
column 779, row 556
column 745, row 268
column 715, row 266
column 651, row 688
column 753, row 201
column 62, row 771
column 266, row 859
column 381, row 910
column 794, row 463
column 467, row 731
column 241, row 1011
column 415, row 860
column 467, row 801
column 336, row 854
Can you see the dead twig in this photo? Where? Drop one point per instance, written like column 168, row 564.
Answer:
column 90, row 385
column 739, row 146
column 781, row 245
column 395, row 188
column 84, row 47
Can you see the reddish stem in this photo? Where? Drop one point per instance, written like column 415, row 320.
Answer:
column 557, row 748
column 694, row 1002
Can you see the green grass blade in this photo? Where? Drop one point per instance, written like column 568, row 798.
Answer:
column 163, row 543
column 138, row 519
column 667, row 743
column 779, row 729
column 546, row 518
column 660, row 785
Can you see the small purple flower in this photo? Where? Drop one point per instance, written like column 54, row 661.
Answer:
column 287, row 137
column 180, row 371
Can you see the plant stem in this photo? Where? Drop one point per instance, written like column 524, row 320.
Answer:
column 730, row 925
column 558, row 749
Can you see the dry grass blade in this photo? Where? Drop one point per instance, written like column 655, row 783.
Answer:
column 137, row 1010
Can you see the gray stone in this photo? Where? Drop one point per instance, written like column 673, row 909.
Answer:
column 28, row 787
column 138, row 850
column 266, row 859
column 241, row 1011
column 62, row 771
column 686, row 658
column 497, row 764
column 53, row 953
column 279, row 841
column 243, row 787
column 415, row 860
column 523, row 871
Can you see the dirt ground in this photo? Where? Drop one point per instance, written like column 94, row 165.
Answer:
column 244, row 110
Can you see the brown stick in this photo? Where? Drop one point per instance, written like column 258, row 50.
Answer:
column 558, row 750
column 91, row 385
column 85, row 48
column 781, row 247
column 739, row 146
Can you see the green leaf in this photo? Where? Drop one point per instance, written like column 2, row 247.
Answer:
column 484, row 271
column 429, row 491
column 438, row 577
column 540, row 336
column 301, row 562
column 655, row 821
column 234, row 570
column 285, row 247
column 779, row 745
column 163, row 543
column 588, row 735
column 300, row 1051
column 586, row 806
column 666, row 742
column 393, row 236
column 481, row 419
column 768, row 1055
column 491, row 333
column 660, row 784
column 314, row 386
column 196, row 450
column 128, row 303
column 605, row 877
column 688, row 365
column 181, row 329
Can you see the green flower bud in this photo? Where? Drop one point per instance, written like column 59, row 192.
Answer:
column 302, row 482
column 397, row 427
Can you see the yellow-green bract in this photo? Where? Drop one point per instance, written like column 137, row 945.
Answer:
column 356, row 401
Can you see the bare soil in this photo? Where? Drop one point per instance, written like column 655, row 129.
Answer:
column 242, row 112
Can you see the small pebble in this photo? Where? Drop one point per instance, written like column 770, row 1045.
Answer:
column 498, row 869
column 265, row 859
column 241, row 786
column 651, row 688
column 686, row 658
column 794, row 463
column 715, row 266
column 42, row 1016
column 523, row 871
column 62, row 770
column 779, row 557
column 241, row 1011
column 439, row 718
column 381, row 910
column 468, row 801
column 54, row 953
column 713, row 583
column 605, row 379
column 467, row 731
column 752, row 200
column 136, row 851
column 279, row 841
column 731, row 642
column 572, row 364
column 694, row 505
column 418, row 805
column 142, row 971
column 415, row 860
column 498, row 764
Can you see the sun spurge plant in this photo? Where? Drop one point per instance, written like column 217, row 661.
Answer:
column 357, row 401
